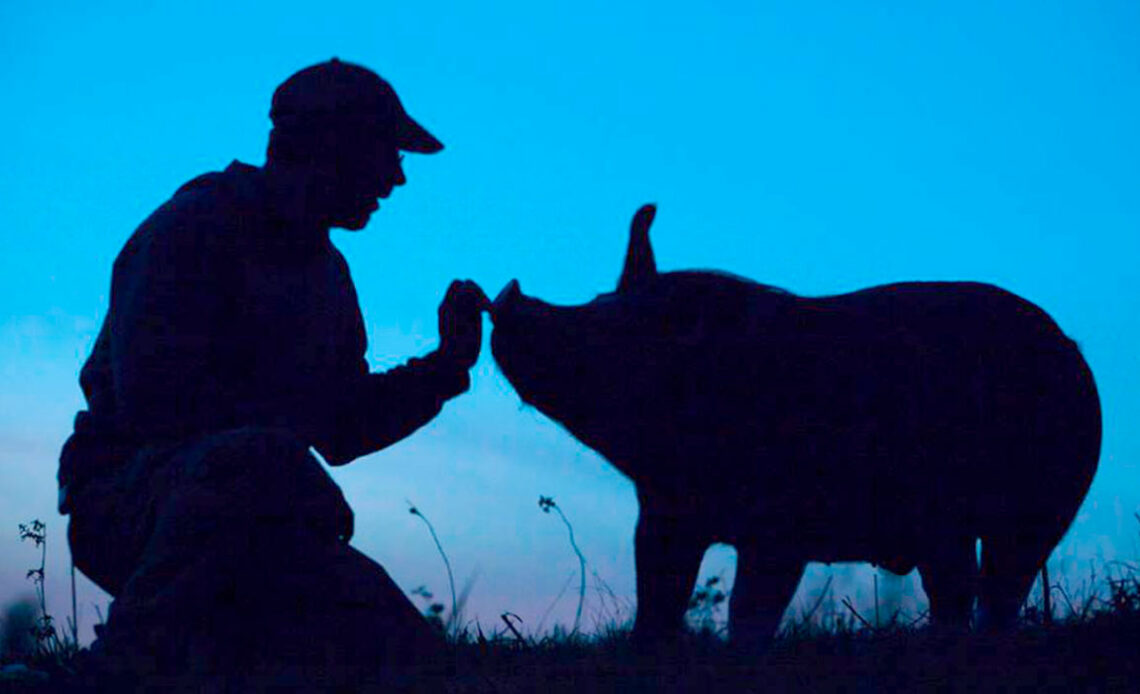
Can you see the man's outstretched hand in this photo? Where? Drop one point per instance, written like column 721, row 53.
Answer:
column 461, row 322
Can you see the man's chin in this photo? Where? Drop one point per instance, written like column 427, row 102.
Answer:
column 355, row 223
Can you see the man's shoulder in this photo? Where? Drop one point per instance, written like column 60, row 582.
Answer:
column 234, row 196
column 206, row 214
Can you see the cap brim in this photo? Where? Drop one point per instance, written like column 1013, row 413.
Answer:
column 412, row 137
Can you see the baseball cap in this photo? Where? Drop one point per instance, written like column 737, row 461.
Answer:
column 338, row 94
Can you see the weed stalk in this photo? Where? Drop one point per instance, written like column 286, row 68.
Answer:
column 48, row 640
column 546, row 503
column 447, row 563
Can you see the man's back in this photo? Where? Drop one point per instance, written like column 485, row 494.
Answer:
column 220, row 318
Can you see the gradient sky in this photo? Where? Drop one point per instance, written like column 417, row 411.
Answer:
column 818, row 146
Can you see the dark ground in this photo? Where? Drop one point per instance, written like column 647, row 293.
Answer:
column 1098, row 654
column 1096, row 648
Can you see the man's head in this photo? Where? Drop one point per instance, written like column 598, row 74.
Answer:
column 342, row 127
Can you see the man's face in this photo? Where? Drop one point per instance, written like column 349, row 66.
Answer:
column 362, row 177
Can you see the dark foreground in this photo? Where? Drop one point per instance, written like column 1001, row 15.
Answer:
column 1100, row 654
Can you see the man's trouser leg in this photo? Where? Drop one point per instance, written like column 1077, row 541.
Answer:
column 246, row 569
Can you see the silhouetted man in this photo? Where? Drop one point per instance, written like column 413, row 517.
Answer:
column 234, row 342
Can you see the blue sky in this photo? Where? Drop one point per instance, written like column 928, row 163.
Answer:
column 818, row 146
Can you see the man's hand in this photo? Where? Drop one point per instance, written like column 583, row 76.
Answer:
column 461, row 322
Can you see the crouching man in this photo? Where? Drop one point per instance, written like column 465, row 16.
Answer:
column 233, row 343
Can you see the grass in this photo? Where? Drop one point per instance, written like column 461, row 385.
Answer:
column 1093, row 644
column 1092, row 649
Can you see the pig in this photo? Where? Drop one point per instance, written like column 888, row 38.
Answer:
column 898, row 425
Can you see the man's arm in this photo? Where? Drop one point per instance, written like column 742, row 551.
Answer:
column 382, row 408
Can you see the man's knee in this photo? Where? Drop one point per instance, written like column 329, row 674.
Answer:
column 109, row 523
column 98, row 552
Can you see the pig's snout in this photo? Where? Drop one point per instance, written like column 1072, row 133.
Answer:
column 507, row 298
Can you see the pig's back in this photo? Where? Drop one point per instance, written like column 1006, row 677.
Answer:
column 946, row 312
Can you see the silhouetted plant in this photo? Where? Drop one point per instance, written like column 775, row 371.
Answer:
column 453, row 620
column 48, row 641
column 507, row 618
column 1124, row 594
column 546, row 503
column 433, row 610
column 705, row 605
column 554, row 603
column 612, row 615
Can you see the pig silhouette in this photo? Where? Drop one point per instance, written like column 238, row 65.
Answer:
column 896, row 425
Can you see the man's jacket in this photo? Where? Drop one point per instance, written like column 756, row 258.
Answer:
column 222, row 315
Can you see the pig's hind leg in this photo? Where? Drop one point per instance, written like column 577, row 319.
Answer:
column 949, row 573
column 763, row 588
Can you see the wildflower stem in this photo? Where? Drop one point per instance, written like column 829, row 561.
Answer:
column 447, row 564
column 547, row 503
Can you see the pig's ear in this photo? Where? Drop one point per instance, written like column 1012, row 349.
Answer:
column 639, row 263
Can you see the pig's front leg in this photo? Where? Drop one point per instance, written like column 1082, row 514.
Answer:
column 668, row 552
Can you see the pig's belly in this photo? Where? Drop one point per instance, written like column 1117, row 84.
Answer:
column 842, row 517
